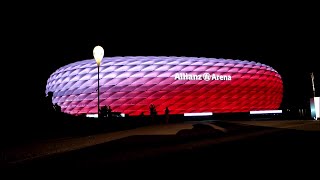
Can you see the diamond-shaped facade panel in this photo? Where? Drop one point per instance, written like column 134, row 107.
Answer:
column 183, row 84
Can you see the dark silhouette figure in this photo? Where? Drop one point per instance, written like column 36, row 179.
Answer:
column 57, row 108
column 109, row 113
column 104, row 111
column 166, row 112
column 153, row 111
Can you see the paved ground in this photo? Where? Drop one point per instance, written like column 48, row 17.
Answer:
column 48, row 147
column 305, row 125
column 153, row 142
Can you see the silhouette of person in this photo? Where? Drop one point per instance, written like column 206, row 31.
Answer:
column 104, row 111
column 166, row 112
column 57, row 108
column 153, row 111
column 109, row 112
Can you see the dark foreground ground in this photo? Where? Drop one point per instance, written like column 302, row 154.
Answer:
column 241, row 146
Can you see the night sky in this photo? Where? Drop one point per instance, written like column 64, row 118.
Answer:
column 286, row 40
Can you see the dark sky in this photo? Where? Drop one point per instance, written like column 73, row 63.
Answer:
column 287, row 40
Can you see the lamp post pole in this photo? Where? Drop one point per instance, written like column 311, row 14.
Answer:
column 313, row 89
column 98, row 91
column 98, row 53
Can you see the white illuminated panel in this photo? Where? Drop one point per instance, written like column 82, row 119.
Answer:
column 266, row 112
column 198, row 114
column 317, row 106
column 96, row 115
column 92, row 115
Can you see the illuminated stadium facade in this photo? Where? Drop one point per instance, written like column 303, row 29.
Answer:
column 183, row 84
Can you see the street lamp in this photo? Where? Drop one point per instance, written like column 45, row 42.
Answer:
column 312, row 79
column 98, row 53
column 314, row 102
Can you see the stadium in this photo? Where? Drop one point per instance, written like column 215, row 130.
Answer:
column 130, row 85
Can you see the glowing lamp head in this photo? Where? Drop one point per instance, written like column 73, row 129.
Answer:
column 98, row 53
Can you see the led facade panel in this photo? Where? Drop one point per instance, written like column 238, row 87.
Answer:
column 183, row 84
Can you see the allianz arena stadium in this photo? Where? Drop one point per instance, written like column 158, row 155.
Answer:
column 183, row 84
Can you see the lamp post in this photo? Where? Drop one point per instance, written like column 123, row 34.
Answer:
column 98, row 53
column 313, row 89
column 314, row 102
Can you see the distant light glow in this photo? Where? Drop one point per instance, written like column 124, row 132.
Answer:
column 198, row 114
column 266, row 112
